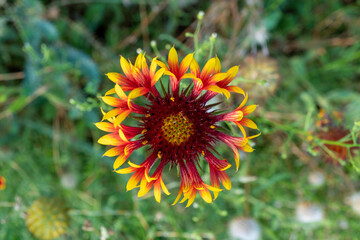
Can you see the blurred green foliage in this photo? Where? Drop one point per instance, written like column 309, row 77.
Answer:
column 52, row 61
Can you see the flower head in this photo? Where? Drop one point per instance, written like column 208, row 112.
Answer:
column 2, row 183
column 47, row 218
column 177, row 125
column 330, row 128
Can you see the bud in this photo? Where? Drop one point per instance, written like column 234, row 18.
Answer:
column 200, row 15
column 153, row 43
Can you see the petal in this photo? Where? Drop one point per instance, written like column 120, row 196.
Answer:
column 112, row 113
column 157, row 192
column 134, row 165
column 138, row 61
column 117, row 78
column 112, row 101
column 112, row 152
column 153, row 66
column 208, row 69
column 217, row 78
column 248, row 123
column 120, row 92
column 214, row 180
column 217, row 65
column 166, row 191
column 248, row 109
column 144, row 187
column 189, row 75
column 133, row 181
column 173, row 60
column 109, row 139
column 111, row 91
column 214, row 189
column 122, row 136
column 105, row 126
column 138, row 76
column 119, row 161
column 169, row 73
column 217, row 89
column 191, row 198
column 125, row 66
column 157, row 76
column 205, row 194
column 178, row 196
column 225, row 180
column 126, row 170
column 254, row 136
column 161, row 64
column 137, row 92
column 121, row 117
column 243, row 102
column 233, row 71
column 185, row 64
column 246, row 148
column 194, row 67
column 235, row 89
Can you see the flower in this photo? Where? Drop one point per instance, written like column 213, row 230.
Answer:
column 2, row 183
column 307, row 212
column 176, row 124
column 331, row 128
column 244, row 228
column 354, row 201
column 47, row 218
column 261, row 74
column 316, row 178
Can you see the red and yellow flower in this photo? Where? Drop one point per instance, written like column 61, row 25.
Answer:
column 2, row 183
column 176, row 124
column 330, row 127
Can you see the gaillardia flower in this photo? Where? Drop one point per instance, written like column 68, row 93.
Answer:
column 330, row 127
column 176, row 123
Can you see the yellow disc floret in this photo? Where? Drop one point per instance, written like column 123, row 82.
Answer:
column 177, row 128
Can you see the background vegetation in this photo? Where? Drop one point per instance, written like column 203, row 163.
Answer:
column 53, row 58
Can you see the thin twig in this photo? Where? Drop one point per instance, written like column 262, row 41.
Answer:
column 40, row 91
column 12, row 76
column 136, row 33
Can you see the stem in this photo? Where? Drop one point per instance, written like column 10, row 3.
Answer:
column 307, row 134
column 196, row 34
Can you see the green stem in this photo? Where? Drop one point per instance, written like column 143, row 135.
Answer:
column 307, row 134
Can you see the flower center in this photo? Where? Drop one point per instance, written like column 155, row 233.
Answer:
column 177, row 128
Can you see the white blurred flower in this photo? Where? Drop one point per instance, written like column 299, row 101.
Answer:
column 68, row 180
column 343, row 224
column 247, row 179
column 316, row 178
column 309, row 212
column 354, row 202
column 104, row 234
column 159, row 216
column 261, row 35
column 243, row 228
